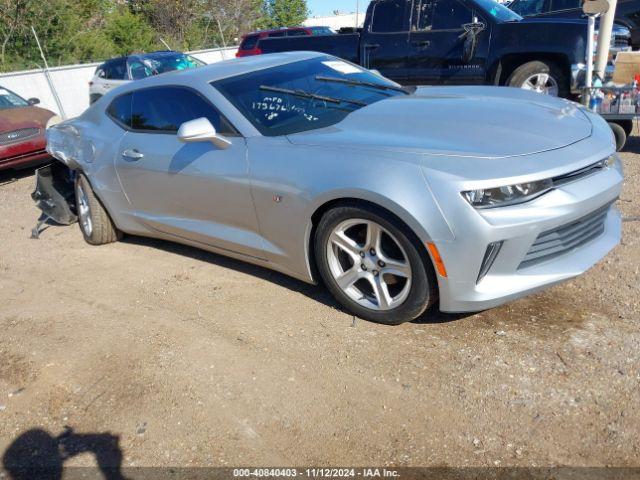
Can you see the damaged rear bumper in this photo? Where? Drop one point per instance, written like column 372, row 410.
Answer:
column 54, row 194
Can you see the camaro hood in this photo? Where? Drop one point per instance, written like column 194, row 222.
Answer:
column 486, row 122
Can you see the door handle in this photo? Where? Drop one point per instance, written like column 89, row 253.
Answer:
column 421, row 44
column 371, row 46
column 132, row 154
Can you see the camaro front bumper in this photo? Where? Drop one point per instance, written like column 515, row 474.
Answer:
column 551, row 239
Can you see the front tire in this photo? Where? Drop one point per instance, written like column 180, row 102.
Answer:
column 542, row 77
column 373, row 266
column 95, row 224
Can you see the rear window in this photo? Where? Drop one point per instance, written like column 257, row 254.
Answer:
column 250, row 42
column 297, row 33
column 321, row 31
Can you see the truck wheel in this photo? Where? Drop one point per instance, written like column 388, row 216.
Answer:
column 627, row 125
column 620, row 134
column 95, row 224
column 542, row 77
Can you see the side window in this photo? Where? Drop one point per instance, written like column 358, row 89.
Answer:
column 120, row 110
column 164, row 109
column 423, row 15
column 139, row 70
column 277, row 34
column 297, row 33
column 450, row 15
column 115, row 70
column 390, row 16
column 564, row 4
column 524, row 8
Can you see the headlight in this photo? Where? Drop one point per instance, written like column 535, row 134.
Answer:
column 508, row 195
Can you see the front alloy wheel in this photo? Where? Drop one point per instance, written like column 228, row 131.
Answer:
column 373, row 265
column 369, row 265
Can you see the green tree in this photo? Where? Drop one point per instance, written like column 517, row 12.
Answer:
column 285, row 13
column 128, row 32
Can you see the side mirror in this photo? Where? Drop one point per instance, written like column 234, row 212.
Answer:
column 201, row 130
column 33, row 101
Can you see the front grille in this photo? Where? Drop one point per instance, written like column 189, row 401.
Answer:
column 18, row 135
column 562, row 240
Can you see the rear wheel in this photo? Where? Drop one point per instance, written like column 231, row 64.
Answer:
column 371, row 265
column 95, row 224
column 542, row 77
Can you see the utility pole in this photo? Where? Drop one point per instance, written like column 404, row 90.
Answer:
column 48, row 77
column 357, row 13
column 604, row 38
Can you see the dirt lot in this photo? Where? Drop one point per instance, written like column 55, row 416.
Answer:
column 191, row 359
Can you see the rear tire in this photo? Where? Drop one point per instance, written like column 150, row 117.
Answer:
column 397, row 283
column 95, row 224
column 542, row 77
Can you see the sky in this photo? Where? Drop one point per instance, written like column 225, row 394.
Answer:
column 326, row 7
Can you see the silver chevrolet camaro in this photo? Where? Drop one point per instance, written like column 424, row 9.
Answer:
column 396, row 198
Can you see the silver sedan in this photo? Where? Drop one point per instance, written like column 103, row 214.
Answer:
column 397, row 199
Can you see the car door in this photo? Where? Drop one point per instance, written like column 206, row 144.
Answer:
column 196, row 191
column 449, row 44
column 384, row 45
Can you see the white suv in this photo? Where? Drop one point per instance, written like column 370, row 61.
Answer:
column 117, row 71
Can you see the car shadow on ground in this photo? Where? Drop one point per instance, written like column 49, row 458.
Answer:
column 317, row 293
column 38, row 455
column 11, row 176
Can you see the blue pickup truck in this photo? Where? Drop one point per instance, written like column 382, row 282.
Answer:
column 459, row 42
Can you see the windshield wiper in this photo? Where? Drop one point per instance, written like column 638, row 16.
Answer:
column 361, row 83
column 313, row 96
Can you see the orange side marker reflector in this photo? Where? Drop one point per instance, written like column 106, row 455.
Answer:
column 437, row 259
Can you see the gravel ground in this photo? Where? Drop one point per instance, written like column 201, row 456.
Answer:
column 171, row 356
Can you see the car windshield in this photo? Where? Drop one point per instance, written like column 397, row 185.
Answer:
column 498, row 11
column 8, row 99
column 155, row 65
column 304, row 95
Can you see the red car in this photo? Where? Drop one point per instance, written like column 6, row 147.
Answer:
column 249, row 43
column 22, row 129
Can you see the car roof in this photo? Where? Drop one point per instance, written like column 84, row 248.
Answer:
column 275, row 30
column 157, row 53
column 224, row 69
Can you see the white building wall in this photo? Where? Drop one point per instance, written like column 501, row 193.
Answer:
column 72, row 82
column 336, row 22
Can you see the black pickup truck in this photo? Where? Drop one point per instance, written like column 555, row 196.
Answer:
column 427, row 42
